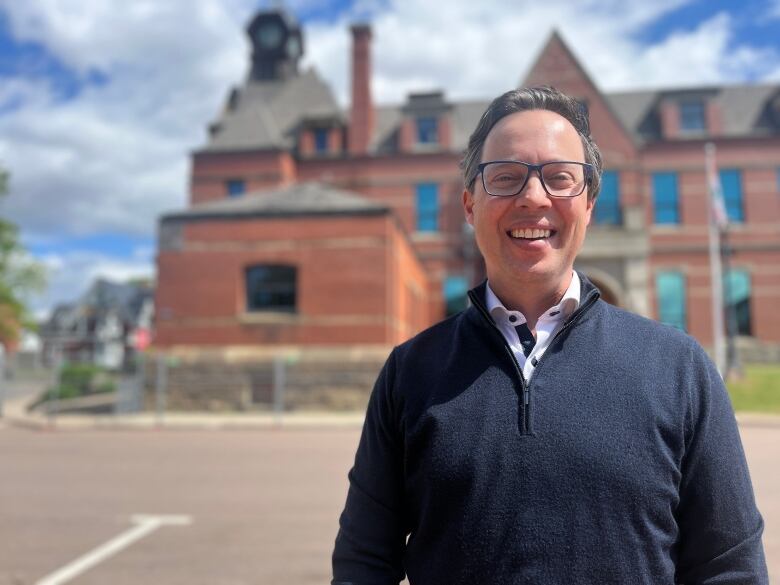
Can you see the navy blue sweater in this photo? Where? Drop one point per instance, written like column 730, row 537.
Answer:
column 620, row 462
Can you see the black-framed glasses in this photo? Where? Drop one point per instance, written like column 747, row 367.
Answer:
column 560, row 178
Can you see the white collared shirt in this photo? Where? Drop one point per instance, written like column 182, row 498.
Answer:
column 548, row 324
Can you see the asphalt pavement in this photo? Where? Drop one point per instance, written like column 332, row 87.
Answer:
column 200, row 499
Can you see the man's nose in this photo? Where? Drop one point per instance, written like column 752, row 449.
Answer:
column 533, row 194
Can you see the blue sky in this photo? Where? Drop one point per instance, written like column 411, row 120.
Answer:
column 102, row 101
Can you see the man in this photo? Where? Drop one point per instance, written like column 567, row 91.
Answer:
column 542, row 435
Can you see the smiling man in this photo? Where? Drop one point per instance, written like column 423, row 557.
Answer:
column 542, row 435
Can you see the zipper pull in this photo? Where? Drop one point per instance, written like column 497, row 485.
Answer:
column 526, row 396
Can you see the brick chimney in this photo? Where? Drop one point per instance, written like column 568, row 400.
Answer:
column 361, row 119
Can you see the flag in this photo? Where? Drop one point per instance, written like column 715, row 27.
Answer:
column 718, row 215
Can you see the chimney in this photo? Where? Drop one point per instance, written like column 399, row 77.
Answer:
column 361, row 120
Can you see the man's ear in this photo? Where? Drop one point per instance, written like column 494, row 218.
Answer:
column 468, row 206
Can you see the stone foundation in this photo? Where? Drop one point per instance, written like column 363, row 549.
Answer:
column 244, row 380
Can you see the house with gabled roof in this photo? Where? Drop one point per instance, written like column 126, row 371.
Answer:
column 105, row 326
column 312, row 225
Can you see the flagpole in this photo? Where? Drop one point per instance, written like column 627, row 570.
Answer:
column 716, row 270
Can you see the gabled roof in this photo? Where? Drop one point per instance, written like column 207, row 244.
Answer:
column 300, row 199
column 265, row 114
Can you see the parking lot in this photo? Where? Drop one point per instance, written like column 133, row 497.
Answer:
column 227, row 507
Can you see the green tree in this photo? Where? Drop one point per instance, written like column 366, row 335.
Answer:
column 19, row 276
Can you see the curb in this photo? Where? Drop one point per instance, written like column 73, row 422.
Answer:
column 187, row 421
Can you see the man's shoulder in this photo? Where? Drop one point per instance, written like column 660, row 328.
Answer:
column 437, row 337
column 630, row 326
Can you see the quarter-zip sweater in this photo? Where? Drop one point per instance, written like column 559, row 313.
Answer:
column 620, row 462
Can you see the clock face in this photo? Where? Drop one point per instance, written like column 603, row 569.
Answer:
column 269, row 35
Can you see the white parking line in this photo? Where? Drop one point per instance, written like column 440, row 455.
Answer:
column 145, row 524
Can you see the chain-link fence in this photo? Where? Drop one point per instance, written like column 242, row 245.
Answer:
column 324, row 381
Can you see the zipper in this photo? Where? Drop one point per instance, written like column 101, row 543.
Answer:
column 525, row 403
column 526, row 398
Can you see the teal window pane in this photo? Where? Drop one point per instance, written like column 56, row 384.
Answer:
column 731, row 184
column 670, row 291
column 607, row 210
column 427, row 130
column 427, row 206
column 455, row 294
column 236, row 187
column 736, row 287
column 666, row 200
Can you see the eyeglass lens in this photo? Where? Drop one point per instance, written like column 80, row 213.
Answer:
column 561, row 179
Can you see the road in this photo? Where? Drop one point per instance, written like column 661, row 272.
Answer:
column 263, row 504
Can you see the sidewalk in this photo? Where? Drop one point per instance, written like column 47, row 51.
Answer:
column 15, row 414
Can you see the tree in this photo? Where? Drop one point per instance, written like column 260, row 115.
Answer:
column 19, row 276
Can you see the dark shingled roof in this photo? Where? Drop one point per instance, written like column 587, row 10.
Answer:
column 741, row 106
column 265, row 114
column 300, row 199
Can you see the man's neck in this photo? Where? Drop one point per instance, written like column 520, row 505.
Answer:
column 531, row 299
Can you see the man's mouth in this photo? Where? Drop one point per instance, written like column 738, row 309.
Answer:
column 530, row 234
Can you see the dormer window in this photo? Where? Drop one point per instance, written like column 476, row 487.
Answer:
column 692, row 116
column 320, row 137
column 427, row 130
column 321, row 140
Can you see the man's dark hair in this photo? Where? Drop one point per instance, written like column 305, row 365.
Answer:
column 533, row 98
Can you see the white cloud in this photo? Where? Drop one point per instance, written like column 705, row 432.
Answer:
column 476, row 50
column 115, row 156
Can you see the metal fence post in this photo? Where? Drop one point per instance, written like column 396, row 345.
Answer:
column 161, row 387
column 278, row 388
column 2, row 379
column 52, row 404
column 140, row 383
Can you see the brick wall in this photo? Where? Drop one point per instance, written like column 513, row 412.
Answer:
column 259, row 170
column 346, row 270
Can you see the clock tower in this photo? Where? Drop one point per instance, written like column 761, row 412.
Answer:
column 277, row 45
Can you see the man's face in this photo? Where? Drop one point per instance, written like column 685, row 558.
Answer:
column 534, row 136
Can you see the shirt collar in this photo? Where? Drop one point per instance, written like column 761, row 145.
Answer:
column 565, row 307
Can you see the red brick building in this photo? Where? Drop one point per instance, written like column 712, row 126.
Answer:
column 311, row 225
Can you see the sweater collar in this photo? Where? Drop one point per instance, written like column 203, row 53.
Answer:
column 477, row 295
column 565, row 307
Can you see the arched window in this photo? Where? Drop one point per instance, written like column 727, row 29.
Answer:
column 736, row 288
column 670, row 291
column 456, row 290
column 271, row 287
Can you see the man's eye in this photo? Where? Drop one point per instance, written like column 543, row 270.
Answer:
column 560, row 178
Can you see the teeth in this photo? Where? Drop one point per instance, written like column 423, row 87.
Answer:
column 530, row 233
